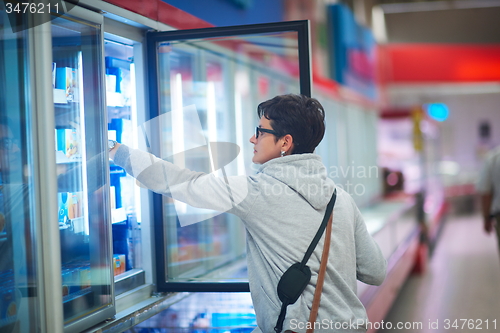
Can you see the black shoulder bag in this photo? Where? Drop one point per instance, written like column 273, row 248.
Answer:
column 295, row 279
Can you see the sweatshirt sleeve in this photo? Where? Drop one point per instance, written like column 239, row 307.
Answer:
column 197, row 189
column 370, row 263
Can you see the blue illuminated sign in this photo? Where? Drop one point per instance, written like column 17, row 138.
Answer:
column 438, row 111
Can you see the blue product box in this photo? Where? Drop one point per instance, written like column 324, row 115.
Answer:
column 132, row 241
column 122, row 78
column 67, row 142
column 115, row 174
column 120, row 241
column 110, row 83
column 122, row 84
column 61, row 140
column 62, row 203
column 66, row 79
column 116, row 125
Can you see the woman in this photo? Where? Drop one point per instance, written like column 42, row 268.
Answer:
column 282, row 207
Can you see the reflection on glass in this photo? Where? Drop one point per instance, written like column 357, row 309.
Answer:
column 122, row 125
column 18, row 270
column 209, row 90
column 80, row 165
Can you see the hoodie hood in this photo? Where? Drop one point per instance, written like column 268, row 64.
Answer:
column 304, row 174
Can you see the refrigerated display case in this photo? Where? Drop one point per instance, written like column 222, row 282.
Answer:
column 55, row 276
column 81, row 158
column 204, row 88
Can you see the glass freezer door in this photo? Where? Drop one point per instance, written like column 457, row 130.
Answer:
column 19, row 272
column 205, row 85
column 82, row 161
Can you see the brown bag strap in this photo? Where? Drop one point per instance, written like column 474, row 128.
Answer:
column 321, row 277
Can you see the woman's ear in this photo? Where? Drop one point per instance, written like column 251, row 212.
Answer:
column 287, row 144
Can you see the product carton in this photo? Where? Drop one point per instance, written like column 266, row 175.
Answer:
column 67, row 79
column 67, row 142
column 74, row 205
column 118, row 264
column 110, row 83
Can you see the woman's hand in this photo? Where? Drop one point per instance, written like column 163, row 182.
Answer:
column 113, row 151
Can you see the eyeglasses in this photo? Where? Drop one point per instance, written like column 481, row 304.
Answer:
column 258, row 130
column 7, row 143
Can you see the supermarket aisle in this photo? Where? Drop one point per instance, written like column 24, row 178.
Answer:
column 462, row 282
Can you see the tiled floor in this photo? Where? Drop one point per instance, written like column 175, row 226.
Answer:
column 460, row 291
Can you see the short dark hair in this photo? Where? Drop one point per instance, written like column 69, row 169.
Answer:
column 300, row 116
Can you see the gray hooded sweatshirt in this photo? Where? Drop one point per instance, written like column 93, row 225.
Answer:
column 282, row 207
